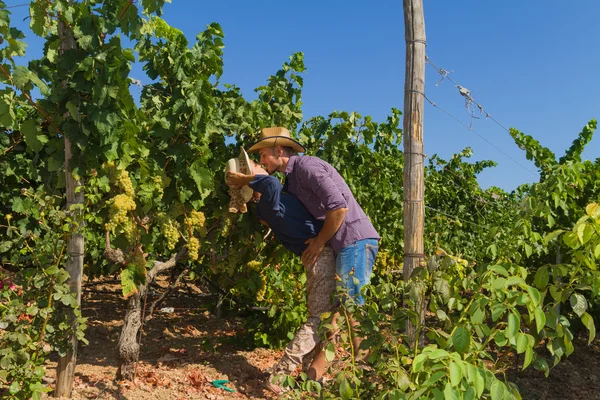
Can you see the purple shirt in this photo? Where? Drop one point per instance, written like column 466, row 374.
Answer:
column 321, row 188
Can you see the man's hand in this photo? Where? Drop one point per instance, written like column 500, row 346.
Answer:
column 237, row 180
column 333, row 221
column 313, row 251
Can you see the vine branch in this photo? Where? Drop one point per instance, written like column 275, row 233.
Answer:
column 125, row 8
column 165, row 293
column 33, row 103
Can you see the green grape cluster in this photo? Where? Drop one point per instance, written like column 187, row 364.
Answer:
column 193, row 245
column 260, row 293
column 233, row 261
column 195, row 222
column 256, row 281
column 385, row 262
column 255, row 269
column 170, row 230
column 124, row 182
column 158, row 186
column 123, row 202
column 120, row 205
column 108, row 165
column 226, row 227
column 381, row 261
column 254, row 265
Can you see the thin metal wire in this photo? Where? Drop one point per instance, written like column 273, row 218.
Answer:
column 414, row 255
column 475, row 198
column 455, row 217
column 17, row 5
column 470, row 127
column 478, row 134
column 494, row 119
column 441, row 71
column 468, row 98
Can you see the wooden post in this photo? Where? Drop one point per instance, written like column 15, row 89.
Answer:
column 65, row 370
column 414, row 89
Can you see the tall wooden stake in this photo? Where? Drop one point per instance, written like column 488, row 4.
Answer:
column 65, row 369
column 414, row 89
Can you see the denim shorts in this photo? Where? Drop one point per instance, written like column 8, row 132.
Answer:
column 354, row 265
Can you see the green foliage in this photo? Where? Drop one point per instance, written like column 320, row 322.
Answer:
column 360, row 148
column 574, row 152
column 482, row 316
column 173, row 145
column 34, row 324
column 153, row 183
column 542, row 157
column 283, row 298
column 35, row 295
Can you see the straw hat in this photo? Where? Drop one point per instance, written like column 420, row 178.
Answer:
column 276, row 136
column 239, row 197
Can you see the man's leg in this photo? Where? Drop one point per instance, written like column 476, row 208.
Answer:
column 354, row 265
column 303, row 343
column 320, row 284
column 319, row 300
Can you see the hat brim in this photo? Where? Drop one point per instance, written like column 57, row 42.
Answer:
column 277, row 141
column 241, row 164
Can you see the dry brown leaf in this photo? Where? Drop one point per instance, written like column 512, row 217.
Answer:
column 197, row 378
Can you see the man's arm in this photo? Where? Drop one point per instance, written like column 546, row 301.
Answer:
column 319, row 181
column 333, row 221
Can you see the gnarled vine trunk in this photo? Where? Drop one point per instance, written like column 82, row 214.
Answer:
column 129, row 347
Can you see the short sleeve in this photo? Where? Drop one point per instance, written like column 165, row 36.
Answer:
column 316, row 178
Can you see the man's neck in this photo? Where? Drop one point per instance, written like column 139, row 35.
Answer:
column 284, row 164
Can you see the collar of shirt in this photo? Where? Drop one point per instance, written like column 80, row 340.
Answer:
column 290, row 165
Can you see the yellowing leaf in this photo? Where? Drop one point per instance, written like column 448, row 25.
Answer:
column 592, row 210
column 128, row 285
column 588, row 321
column 571, row 240
column 552, row 235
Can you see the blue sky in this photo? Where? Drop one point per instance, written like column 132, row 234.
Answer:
column 532, row 64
